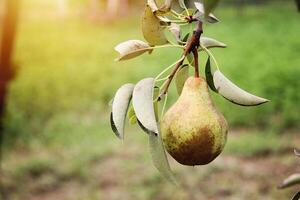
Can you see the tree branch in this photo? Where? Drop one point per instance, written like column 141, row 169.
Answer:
column 192, row 46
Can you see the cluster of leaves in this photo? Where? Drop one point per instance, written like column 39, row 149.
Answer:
column 161, row 27
column 292, row 180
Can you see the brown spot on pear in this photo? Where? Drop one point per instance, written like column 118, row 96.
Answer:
column 193, row 130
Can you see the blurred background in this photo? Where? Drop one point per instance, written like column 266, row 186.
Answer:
column 56, row 141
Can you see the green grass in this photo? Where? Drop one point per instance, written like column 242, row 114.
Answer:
column 93, row 160
column 257, row 144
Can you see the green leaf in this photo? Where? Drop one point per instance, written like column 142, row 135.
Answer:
column 152, row 30
column 131, row 116
column 233, row 93
column 119, row 109
column 170, row 36
column 131, row 49
column 142, row 101
column 172, row 33
column 190, row 58
column 130, row 112
column 181, row 76
column 200, row 14
column 210, row 42
column 133, row 120
column 209, row 6
column 159, row 158
column 186, row 37
column 294, row 179
column 220, row 84
column 209, row 76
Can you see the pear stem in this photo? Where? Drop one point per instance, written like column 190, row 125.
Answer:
column 191, row 46
column 195, row 53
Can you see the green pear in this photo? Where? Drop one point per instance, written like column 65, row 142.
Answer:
column 193, row 130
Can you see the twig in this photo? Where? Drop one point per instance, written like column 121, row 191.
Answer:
column 192, row 44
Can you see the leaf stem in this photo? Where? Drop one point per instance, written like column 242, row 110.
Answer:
column 164, row 106
column 167, row 45
column 176, row 13
column 169, row 67
column 171, row 76
column 162, row 79
column 184, row 24
column 178, row 21
column 186, row 10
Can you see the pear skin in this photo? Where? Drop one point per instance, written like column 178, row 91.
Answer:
column 193, row 130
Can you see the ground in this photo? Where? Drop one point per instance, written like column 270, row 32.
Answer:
column 124, row 171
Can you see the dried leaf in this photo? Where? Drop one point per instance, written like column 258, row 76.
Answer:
column 131, row 49
column 290, row 181
column 119, row 109
column 142, row 101
column 152, row 30
column 181, row 76
column 233, row 93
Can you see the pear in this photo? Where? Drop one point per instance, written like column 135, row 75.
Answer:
column 193, row 130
